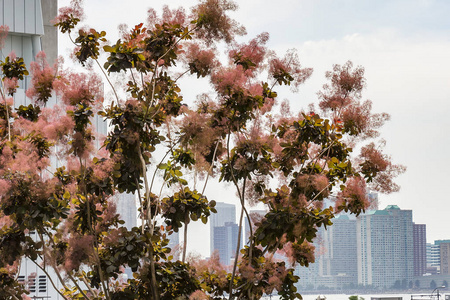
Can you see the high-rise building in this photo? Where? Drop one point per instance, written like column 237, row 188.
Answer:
column 385, row 247
column 335, row 256
column 342, row 248
column 29, row 32
column 174, row 244
column 226, row 213
column 224, row 232
column 225, row 241
column 433, row 258
column 49, row 40
column 26, row 27
column 27, row 21
column 126, row 208
column 444, row 250
column 420, row 249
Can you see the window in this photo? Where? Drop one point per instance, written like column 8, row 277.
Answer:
column 32, row 283
column 42, row 284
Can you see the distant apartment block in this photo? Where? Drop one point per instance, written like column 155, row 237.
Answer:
column 444, row 249
column 420, row 249
column 126, row 208
column 224, row 231
column 335, row 253
column 225, row 242
column 27, row 22
column 380, row 249
column 385, row 247
column 225, row 213
column 343, row 250
column 433, row 258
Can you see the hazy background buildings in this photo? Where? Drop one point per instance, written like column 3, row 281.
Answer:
column 381, row 249
column 224, row 232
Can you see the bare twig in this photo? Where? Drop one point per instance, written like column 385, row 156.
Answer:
column 49, row 278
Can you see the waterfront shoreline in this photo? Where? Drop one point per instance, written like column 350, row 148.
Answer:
column 365, row 295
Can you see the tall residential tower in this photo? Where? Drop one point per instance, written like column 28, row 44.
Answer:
column 420, row 249
column 385, row 247
column 224, row 232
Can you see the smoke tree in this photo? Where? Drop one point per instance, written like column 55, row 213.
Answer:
column 239, row 134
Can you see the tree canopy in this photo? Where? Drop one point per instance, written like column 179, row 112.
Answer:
column 56, row 184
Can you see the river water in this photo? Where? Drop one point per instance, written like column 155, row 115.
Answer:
column 368, row 297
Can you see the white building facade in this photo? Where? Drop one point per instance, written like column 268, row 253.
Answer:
column 385, row 247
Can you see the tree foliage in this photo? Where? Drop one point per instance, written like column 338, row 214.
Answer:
column 288, row 163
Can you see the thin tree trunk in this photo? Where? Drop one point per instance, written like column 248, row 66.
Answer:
column 236, row 254
column 186, row 218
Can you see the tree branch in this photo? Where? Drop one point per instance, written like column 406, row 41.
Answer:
column 49, row 278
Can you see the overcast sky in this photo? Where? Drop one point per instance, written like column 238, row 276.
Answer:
column 404, row 47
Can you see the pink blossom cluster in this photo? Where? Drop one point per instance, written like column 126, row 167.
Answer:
column 103, row 169
column 198, row 295
column 290, row 63
column 300, row 252
column 26, row 160
column 201, row 59
column 80, row 249
column 54, row 124
column 345, row 87
column 169, row 16
column 253, row 52
column 75, row 10
column 229, row 78
column 10, row 85
column 372, row 156
column 4, row 29
column 354, row 196
column 81, row 88
column 42, row 79
column 215, row 24
column 360, row 117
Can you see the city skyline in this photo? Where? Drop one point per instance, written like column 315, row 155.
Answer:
column 382, row 249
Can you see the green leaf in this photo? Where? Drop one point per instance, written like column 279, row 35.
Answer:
column 66, row 195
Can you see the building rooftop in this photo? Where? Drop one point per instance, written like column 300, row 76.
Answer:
column 389, row 207
column 378, row 213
